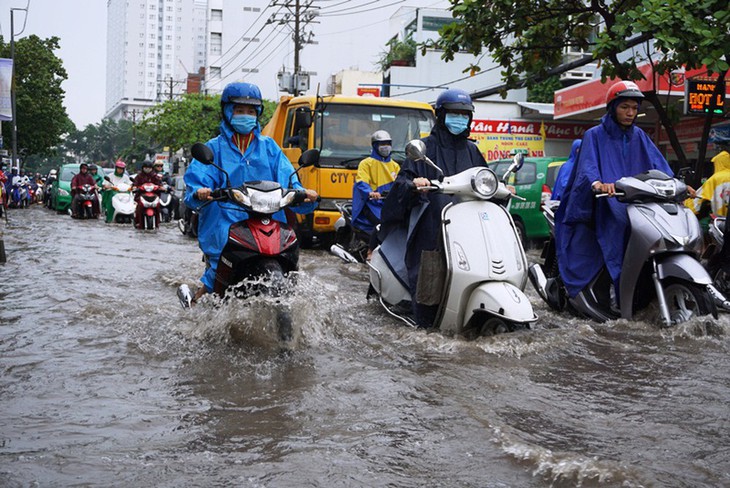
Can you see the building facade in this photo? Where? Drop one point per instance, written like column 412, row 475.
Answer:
column 152, row 45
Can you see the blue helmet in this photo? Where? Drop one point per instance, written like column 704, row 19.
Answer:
column 244, row 94
column 454, row 99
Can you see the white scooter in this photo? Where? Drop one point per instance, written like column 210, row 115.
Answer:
column 123, row 204
column 485, row 264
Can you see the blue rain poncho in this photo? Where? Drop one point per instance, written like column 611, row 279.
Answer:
column 590, row 232
column 564, row 171
column 263, row 160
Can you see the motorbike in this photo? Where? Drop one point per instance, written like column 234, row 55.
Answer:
column 88, row 203
column 661, row 261
column 123, row 204
column 261, row 252
column 712, row 260
column 147, row 213
column 351, row 244
column 19, row 196
column 485, row 264
column 188, row 225
column 166, row 201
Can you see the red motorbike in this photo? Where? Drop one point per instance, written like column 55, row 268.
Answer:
column 147, row 214
column 261, row 251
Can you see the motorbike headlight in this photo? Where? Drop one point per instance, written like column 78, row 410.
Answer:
column 265, row 202
column 664, row 188
column 485, row 182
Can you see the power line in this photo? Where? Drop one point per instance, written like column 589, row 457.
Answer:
column 351, row 12
column 244, row 34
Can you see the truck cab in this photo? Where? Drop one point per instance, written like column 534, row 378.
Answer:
column 340, row 127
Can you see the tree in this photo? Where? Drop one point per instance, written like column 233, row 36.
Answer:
column 181, row 122
column 528, row 38
column 41, row 116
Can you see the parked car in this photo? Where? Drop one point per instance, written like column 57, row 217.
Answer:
column 534, row 183
column 61, row 188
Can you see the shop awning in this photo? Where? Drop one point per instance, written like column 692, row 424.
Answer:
column 531, row 108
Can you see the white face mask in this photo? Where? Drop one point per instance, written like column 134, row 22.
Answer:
column 385, row 151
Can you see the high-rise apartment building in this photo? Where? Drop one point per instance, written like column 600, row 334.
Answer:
column 152, row 45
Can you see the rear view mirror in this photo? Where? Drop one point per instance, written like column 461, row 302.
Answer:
column 202, row 153
column 416, row 150
column 302, row 119
column 517, row 161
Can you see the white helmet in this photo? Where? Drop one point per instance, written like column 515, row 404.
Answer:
column 53, row 172
column 380, row 136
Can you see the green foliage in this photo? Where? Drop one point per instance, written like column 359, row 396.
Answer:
column 398, row 50
column 179, row 123
column 41, row 116
column 109, row 140
column 543, row 92
column 528, row 37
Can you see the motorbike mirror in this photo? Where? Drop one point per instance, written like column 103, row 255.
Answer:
column 416, row 150
column 517, row 162
column 202, row 153
column 310, row 157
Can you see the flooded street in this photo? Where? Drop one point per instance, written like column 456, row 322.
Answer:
column 107, row 381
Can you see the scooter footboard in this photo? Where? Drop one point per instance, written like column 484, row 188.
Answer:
column 500, row 299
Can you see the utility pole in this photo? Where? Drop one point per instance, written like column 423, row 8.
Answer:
column 302, row 13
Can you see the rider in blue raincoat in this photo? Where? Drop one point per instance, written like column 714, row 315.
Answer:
column 449, row 148
column 591, row 233
column 246, row 155
column 565, row 170
column 375, row 176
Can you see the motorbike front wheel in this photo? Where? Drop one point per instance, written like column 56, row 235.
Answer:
column 149, row 222
column 686, row 300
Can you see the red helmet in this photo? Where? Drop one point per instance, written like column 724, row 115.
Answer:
column 120, row 164
column 624, row 89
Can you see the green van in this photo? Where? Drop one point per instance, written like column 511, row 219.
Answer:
column 534, row 183
column 61, row 187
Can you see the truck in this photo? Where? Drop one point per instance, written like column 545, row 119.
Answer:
column 340, row 127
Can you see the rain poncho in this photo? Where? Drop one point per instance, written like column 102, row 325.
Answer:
column 421, row 212
column 717, row 187
column 263, row 160
column 590, row 232
column 373, row 174
column 564, row 172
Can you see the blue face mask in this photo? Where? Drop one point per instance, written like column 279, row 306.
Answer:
column 456, row 123
column 243, row 124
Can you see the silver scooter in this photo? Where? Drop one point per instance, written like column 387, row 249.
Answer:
column 485, row 274
column 660, row 261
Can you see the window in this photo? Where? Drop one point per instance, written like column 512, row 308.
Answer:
column 216, row 14
column 216, row 43
column 215, row 72
column 435, row 23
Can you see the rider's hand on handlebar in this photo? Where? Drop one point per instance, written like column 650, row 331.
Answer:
column 421, row 182
column 203, row 194
column 311, row 196
column 373, row 195
column 607, row 188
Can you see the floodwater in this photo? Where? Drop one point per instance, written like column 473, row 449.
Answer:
column 106, row 381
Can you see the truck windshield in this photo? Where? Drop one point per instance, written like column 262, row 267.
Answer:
column 345, row 130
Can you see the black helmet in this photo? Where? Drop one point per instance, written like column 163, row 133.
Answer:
column 92, row 167
column 147, row 164
column 82, row 165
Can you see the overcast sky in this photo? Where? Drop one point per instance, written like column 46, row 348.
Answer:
column 344, row 42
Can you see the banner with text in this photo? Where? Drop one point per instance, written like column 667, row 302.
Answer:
column 6, row 79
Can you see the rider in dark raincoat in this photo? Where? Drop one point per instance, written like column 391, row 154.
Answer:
column 448, row 147
column 592, row 233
